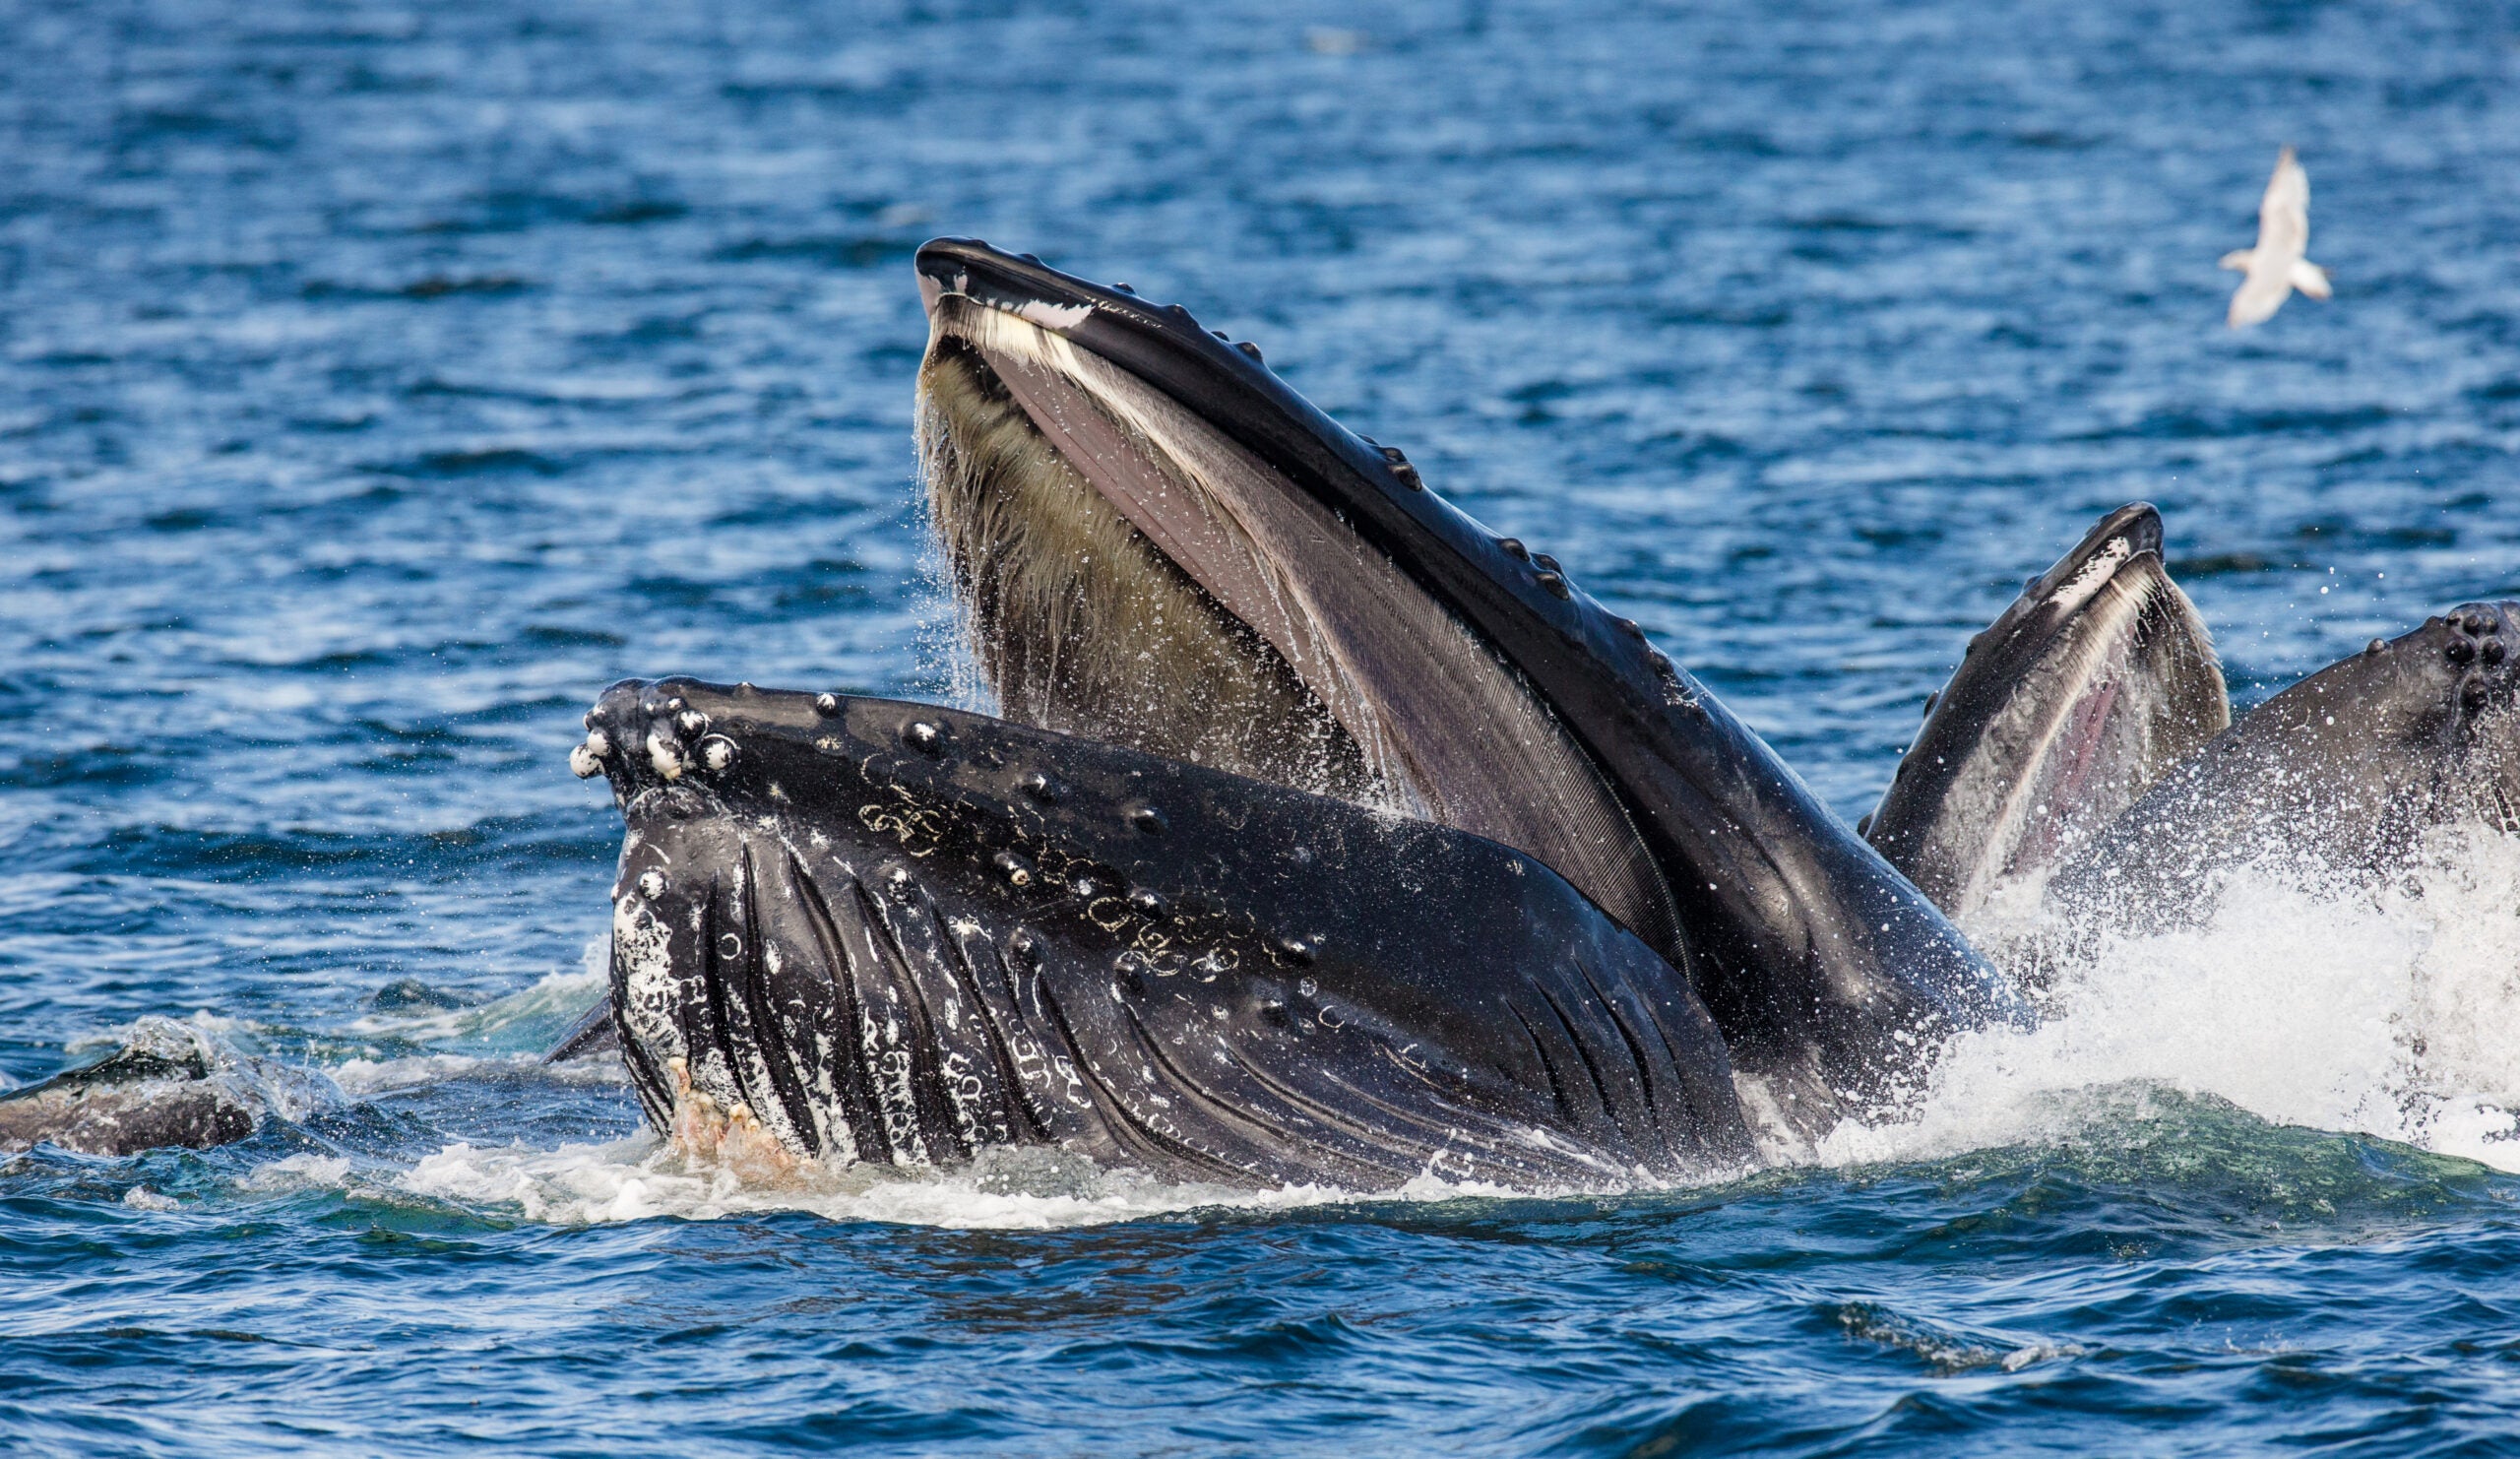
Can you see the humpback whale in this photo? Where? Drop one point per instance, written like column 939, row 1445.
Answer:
column 2340, row 778
column 1322, row 834
column 167, row 1084
column 1165, row 552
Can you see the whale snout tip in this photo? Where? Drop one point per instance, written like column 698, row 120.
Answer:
column 643, row 731
column 2479, row 644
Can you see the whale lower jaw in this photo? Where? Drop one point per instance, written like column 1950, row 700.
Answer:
column 888, row 932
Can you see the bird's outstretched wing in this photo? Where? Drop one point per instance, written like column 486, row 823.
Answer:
column 2284, row 214
column 2259, row 296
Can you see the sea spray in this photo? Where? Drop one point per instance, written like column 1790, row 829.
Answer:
column 2381, row 1009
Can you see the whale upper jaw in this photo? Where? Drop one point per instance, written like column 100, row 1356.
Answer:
column 2339, row 778
column 1161, row 546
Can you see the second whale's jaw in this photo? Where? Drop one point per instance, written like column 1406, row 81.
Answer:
column 903, row 934
column 2095, row 681
column 1415, row 631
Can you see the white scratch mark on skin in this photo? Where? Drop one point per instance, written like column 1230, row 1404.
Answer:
column 1054, row 317
column 2099, row 569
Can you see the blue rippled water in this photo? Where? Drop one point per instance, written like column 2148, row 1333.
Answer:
column 377, row 383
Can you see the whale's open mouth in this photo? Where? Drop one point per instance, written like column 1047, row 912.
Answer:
column 2095, row 681
column 1160, row 545
column 1566, row 896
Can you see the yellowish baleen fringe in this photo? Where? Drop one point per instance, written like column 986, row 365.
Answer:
column 1080, row 624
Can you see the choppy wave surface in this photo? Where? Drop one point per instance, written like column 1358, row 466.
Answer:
column 377, row 383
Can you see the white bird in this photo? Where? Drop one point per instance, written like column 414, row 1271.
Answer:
column 2275, row 267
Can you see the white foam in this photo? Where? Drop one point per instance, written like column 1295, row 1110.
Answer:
column 640, row 1177
column 301, row 1173
column 555, row 998
column 362, row 1077
column 2386, row 1013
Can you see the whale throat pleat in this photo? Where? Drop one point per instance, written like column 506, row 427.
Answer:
column 886, row 949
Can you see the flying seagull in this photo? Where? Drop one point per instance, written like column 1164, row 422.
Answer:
column 2275, row 267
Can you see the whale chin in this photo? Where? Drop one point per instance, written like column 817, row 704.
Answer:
column 882, row 932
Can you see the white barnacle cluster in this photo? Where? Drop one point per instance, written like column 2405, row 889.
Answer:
column 678, row 738
column 586, row 759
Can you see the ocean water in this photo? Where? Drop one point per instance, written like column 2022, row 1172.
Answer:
column 378, row 382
